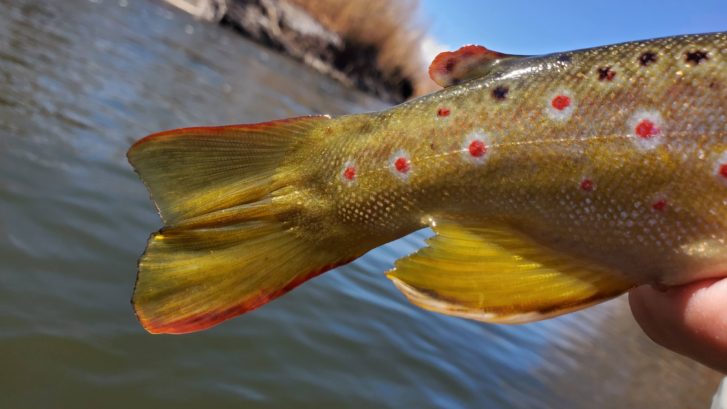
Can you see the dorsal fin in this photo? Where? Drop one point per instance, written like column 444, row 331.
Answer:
column 470, row 61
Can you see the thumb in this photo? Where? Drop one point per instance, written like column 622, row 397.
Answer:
column 690, row 319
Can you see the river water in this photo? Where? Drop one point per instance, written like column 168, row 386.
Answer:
column 79, row 82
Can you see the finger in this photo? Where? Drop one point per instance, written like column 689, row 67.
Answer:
column 690, row 319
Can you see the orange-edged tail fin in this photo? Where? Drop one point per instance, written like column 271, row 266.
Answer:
column 228, row 244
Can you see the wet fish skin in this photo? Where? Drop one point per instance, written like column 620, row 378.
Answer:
column 536, row 163
column 553, row 182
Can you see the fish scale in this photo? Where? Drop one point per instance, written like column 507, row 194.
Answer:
column 552, row 183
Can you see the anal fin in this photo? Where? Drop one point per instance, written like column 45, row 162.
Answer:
column 498, row 274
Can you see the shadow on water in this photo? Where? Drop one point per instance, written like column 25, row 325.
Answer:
column 79, row 82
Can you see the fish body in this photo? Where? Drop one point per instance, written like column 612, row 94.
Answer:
column 552, row 183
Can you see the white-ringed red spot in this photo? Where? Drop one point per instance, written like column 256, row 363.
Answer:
column 560, row 102
column 476, row 147
column 443, row 112
column 349, row 173
column 560, row 105
column 400, row 164
column 646, row 129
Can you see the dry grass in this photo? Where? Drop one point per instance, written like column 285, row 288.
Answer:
column 390, row 26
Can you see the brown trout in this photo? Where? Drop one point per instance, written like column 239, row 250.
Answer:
column 551, row 182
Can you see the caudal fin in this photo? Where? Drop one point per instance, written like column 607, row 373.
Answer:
column 228, row 244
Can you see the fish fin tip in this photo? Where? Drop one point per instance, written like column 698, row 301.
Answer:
column 192, row 279
column 499, row 275
column 278, row 125
column 186, row 285
column 468, row 62
column 186, row 177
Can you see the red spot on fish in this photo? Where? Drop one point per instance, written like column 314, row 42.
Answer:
column 659, row 205
column 349, row 173
column 443, row 112
column 401, row 164
column 560, row 102
column 477, row 148
column 646, row 129
column 587, row 185
column 723, row 170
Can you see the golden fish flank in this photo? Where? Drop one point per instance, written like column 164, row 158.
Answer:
column 552, row 183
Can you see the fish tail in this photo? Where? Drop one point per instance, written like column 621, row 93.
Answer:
column 228, row 244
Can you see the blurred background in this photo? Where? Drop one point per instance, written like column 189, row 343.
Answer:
column 81, row 80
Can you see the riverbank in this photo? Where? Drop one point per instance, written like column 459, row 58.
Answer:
column 372, row 45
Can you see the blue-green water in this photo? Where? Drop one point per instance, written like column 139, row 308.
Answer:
column 79, row 82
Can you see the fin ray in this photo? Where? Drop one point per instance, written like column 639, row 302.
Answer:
column 192, row 171
column 229, row 244
column 497, row 274
column 190, row 280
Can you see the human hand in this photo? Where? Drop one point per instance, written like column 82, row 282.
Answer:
column 690, row 319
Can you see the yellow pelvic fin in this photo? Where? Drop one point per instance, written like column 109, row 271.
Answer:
column 497, row 274
column 227, row 246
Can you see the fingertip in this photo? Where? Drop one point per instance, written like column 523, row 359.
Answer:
column 650, row 312
column 688, row 319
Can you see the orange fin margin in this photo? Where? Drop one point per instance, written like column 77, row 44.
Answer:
column 468, row 62
column 229, row 244
column 209, row 319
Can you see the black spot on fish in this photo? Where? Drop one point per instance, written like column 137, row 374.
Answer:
column 606, row 74
column 500, row 92
column 696, row 57
column 564, row 58
column 450, row 64
column 647, row 58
